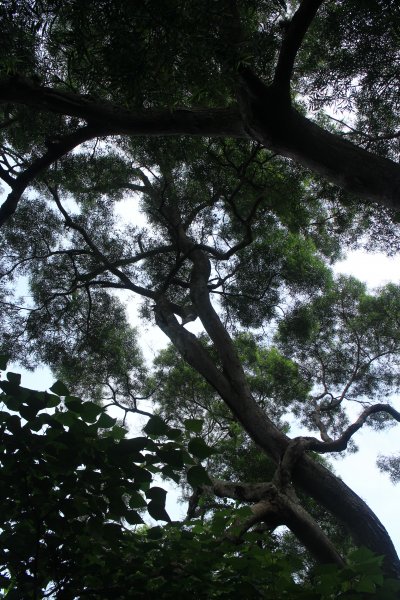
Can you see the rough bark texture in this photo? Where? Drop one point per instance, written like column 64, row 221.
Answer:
column 270, row 118
column 265, row 114
column 314, row 479
column 109, row 119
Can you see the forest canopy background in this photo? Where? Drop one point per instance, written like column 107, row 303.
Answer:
column 214, row 118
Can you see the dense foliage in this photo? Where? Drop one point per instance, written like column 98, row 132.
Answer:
column 74, row 491
column 201, row 164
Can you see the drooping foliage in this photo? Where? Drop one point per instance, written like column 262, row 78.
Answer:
column 74, row 491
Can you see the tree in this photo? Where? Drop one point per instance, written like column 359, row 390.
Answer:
column 96, row 99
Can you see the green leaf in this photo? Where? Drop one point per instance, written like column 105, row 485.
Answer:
column 133, row 517
column 59, row 388
column 168, row 472
column 140, row 475
column 137, row 501
column 174, row 434
column 51, row 400
column 157, row 511
column 117, row 432
column 156, row 426
column 155, row 533
column 171, row 457
column 198, row 448
column 66, row 418
column 133, row 445
column 11, row 402
column 4, row 416
column 14, row 378
column 89, row 411
column 14, row 424
column 105, row 421
column 365, row 585
column 194, row 425
column 28, row 412
column 197, row 476
column 73, row 403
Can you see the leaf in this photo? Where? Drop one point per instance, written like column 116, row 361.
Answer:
column 194, row 425
column 197, row 476
column 137, row 501
column 168, row 472
column 140, row 475
column 14, row 378
column 157, row 511
column 174, row 434
column 4, row 416
column 11, row 402
column 198, row 448
column 171, row 457
column 117, row 432
column 133, row 445
column 133, row 517
column 155, row 533
column 157, row 494
column 14, row 424
column 59, row 388
column 73, row 403
column 66, row 418
column 112, row 532
column 89, row 411
column 28, row 412
column 156, row 426
column 105, row 421
column 51, row 400
column 365, row 585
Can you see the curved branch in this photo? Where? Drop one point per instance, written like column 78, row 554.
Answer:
column 54, row 152
column 270, row 119
column 292, row 40
column 341, row 443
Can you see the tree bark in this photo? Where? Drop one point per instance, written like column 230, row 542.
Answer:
column 265, row 115
column 273, row 506
column 110, row 119
column 271, row 119
column 230, row 383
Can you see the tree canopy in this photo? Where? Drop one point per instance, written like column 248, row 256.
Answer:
column 255, row 143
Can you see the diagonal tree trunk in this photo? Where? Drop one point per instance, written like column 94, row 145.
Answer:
column 231, row 384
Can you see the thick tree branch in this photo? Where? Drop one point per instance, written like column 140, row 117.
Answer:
column 292, row 40
column 189, row 347
column 280, row 128
column 276, row 508
column 341, row 443
column 264, row 116
column 113, row 120
column 54, row 153
column 312, row 477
